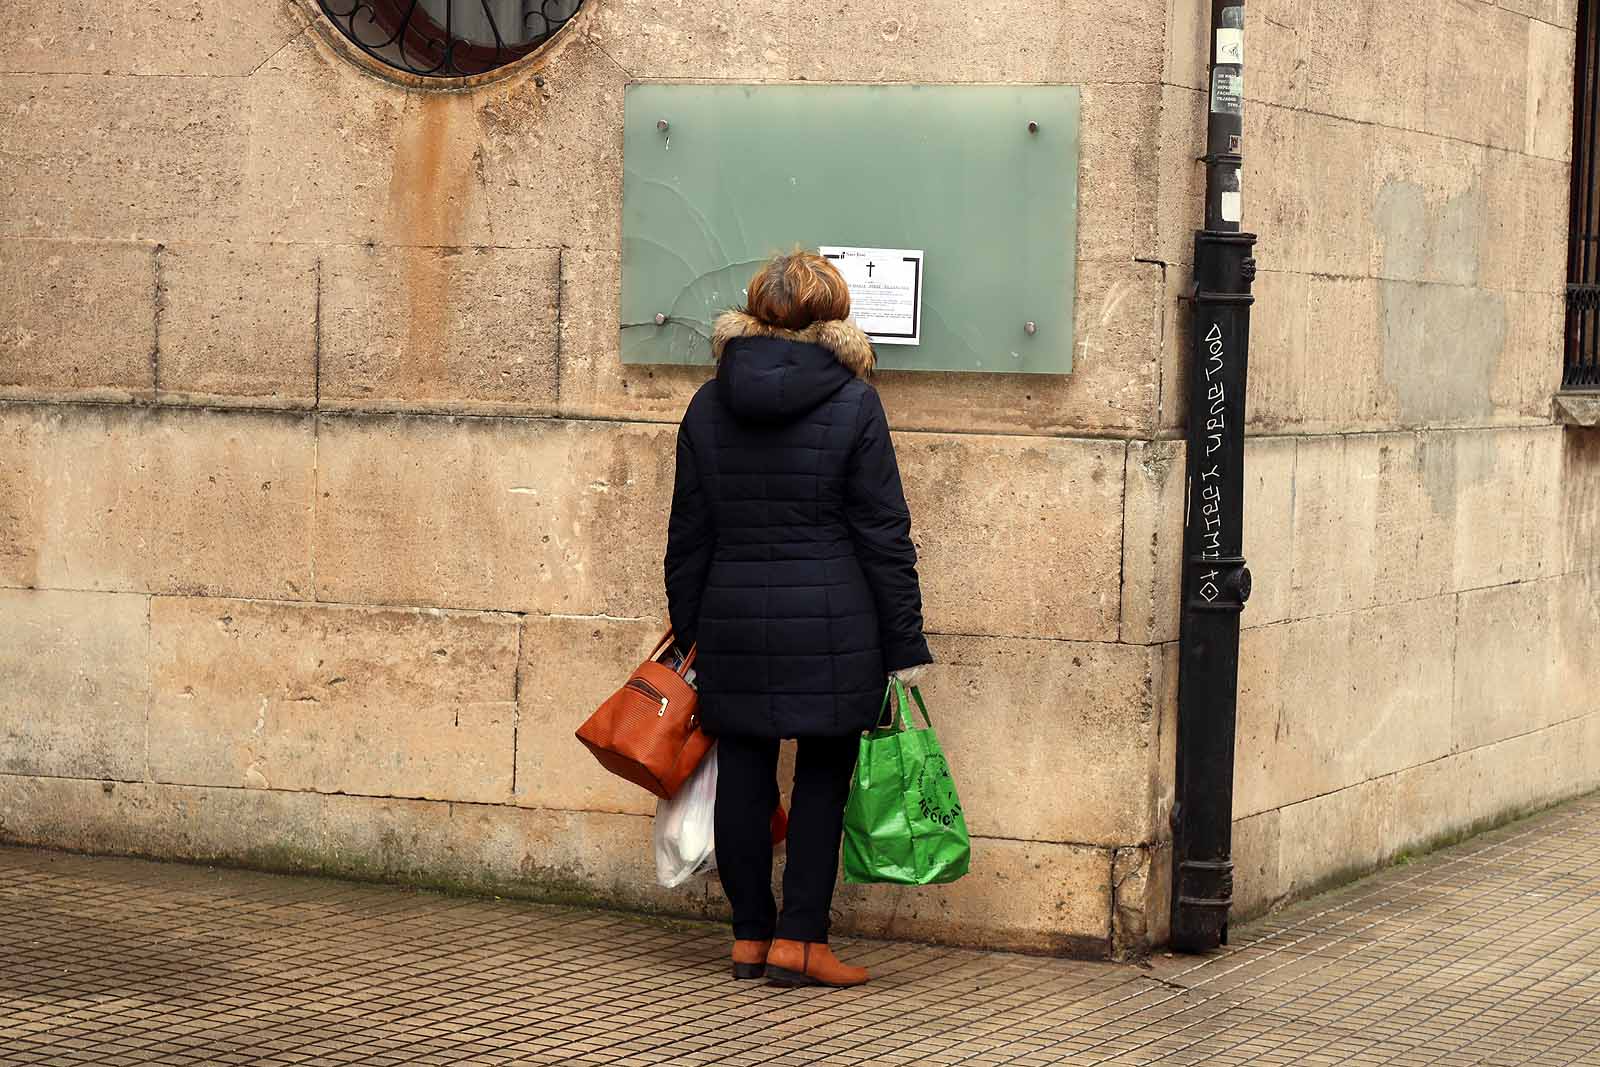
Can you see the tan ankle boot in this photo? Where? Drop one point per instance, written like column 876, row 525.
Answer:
column 750, row 958
column 796, row 963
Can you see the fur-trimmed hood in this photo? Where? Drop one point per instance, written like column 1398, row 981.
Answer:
column 840, row 337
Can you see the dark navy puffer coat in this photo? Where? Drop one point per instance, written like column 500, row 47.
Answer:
column 789, row 556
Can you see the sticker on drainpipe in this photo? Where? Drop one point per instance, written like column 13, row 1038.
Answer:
column 1233, row 200
column 1230, row 46
column 1227, row 92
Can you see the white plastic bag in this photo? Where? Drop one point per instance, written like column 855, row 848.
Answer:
column 685, row 844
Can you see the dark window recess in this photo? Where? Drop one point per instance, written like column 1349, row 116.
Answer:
column 1581, row 364
column 449, row 38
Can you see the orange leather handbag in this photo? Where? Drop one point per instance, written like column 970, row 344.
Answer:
column 648, row 731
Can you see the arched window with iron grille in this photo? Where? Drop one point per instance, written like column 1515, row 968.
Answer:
column 449, row 38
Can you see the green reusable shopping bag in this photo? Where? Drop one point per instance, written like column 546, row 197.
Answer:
column 903, row 820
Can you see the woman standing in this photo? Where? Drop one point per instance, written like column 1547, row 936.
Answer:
column 789, row 560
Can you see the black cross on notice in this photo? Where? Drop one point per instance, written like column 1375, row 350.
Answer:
column 870, row 265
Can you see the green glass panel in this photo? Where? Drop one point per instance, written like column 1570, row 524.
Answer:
column 743, row 171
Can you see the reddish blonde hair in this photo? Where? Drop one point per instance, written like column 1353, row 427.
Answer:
column 798, row 288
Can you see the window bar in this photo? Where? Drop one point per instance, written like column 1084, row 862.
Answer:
column 1581, row 351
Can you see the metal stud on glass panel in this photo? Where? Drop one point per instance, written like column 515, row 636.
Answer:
column 449, row 38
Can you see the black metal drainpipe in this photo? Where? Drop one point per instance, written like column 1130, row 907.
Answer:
column 1216, row 581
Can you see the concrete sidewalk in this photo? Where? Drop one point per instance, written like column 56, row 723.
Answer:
column 1486, row 953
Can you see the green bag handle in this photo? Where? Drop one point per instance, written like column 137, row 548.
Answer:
column 902, row 719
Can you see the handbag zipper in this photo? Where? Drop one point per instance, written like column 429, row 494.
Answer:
column 648, row 690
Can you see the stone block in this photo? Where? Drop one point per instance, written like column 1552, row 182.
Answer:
column 1329, row 702
column 1083, row 719
column 1269, row 493
column 1525, row 236
column 550, row 155
column 80, row 319
column 1256, row 843
column 1032, row 555
column 1477, row 59
column 1113, row 387
column 1531, row 770
column 1578, row 508
column 1141, row 899
column 77, row 683
column 336, row 155
column 200, row 503
column 1532, row 665
column 239, row 324
column 900, row 41
column 1386, row 518
column 1358, row 59
column 1505, row 679
column 570, row 664
column 1429, row 207
column 1152, row 542
column 1120, row 161
column 1339, row 385
column 123, row 158
column 1177, row 343
column 1306, row 179
column 1336, row 837
column 1189, row 43
column 1259, row 777
column 1164, row 776
column 1548, row 121
column 448, row 329
column 1528, row 372
column 1402, row 666
column 188, row 39
column 1505, row 504
column 1277, row 34
column 1026, row 895
column 1442, row 347
column 499, row 514
column 1415, row 520
column 1575, row 617
column 1335, row 524
column 1432, row 802
column 1279, row 350
column 1181, row 204
column 385, row 702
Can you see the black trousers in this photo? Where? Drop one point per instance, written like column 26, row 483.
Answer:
column 747, row 792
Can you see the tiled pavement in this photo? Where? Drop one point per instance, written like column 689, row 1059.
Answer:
column 1488, row 953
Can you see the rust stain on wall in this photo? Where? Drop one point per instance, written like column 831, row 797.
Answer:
column 430, row 193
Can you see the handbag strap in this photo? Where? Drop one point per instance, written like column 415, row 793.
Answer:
column 666, row 643
column 900, row 716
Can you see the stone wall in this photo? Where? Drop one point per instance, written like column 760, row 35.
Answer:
column 1419, row 654
column 330, row 510
column 327, row 509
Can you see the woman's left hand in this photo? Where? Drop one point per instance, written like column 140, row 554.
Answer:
column 909, row 675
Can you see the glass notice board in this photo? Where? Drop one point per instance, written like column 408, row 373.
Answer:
column 983, row 180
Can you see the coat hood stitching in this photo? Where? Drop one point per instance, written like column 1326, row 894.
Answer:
column 841, row 337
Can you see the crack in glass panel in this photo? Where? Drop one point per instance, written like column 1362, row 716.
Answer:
column 716, row 178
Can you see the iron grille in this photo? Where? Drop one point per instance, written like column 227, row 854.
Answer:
column 447, row 39
column 1581, row 364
